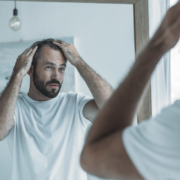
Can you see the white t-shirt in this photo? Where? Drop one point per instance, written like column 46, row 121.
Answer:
column 154, row 145
column 47, row 138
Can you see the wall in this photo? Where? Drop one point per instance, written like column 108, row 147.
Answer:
column 6, row 13
column 103, row 35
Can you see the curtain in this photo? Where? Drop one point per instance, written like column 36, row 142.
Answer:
column 160, row 81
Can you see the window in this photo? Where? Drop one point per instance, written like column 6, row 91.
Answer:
column 175, row 68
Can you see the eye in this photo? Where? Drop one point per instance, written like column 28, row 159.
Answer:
column 48, row 67
column 62, row 69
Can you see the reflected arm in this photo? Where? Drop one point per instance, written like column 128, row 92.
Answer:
column 8, row 104
column 9, row 96
column 99, row 88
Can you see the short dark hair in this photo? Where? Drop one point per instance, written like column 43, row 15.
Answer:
column 41, row 44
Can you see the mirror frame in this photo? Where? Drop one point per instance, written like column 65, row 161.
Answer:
column 141, row 34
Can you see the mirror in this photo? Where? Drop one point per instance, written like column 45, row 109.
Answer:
column 103, row 34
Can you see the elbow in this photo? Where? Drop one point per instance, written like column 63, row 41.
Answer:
column 3, row 134
column 1, row 137
column 86, row 159
column 90, row 161
column 83, row 159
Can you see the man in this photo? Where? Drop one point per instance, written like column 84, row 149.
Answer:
column 151, row 150
column 47, row 128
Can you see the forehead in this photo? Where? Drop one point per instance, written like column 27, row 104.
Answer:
column 51, row 55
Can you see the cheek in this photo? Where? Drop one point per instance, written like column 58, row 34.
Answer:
column 48, row 75
column 62, row 76
column 45, row 76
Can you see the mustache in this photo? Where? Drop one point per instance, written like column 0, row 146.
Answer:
column 54, row 82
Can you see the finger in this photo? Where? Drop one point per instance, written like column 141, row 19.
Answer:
column 65, row 43
column 29, row 52
column 34, row 45
column 57, row 43
column 33, row 51
column 26, row 50
column 60, row 45
column 62, row 42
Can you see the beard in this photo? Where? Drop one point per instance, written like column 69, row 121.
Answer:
column 42, row 86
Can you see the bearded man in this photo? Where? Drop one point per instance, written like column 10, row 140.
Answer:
column 45, row 129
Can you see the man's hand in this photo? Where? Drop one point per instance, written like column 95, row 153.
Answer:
column 24, row 61
column 168, row 33
column 69, row 51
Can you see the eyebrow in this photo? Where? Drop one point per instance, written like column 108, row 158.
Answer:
column 54, row 64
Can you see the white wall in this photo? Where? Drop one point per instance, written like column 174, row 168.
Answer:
column 6, row 13
column 103, row 32
column 104, row 37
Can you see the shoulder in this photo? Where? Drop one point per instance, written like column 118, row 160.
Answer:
column 168, row 118
column 76, row 96
column 155, row 140
column 165, row 124
column 162, row 130
column 21, row 97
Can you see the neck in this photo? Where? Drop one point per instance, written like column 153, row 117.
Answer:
column 35, row 94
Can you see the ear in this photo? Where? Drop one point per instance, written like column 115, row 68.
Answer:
column 31, row 70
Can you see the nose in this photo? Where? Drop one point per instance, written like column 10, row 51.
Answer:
column 56, row 74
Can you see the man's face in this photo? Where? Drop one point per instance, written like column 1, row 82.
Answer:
column 49, row 73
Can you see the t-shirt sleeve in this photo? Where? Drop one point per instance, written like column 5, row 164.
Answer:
column 82, row 100
column 15, row 114
column 154, row 147
column 10, row 134
column 16, row 111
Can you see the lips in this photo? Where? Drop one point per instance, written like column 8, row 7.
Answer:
column 54, row 85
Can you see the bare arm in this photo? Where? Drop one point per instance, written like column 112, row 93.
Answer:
column 99, row 88
column 8, row 104
column 104, row 154
column 9, row 96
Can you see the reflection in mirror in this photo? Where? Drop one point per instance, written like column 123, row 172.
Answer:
column 10, row 52
column 40, row 144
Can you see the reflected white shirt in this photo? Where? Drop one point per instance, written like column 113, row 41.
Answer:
column 47, row 138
